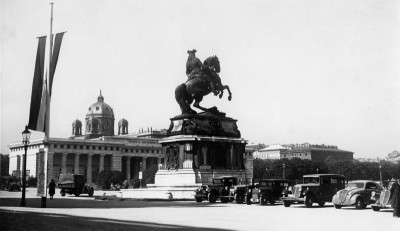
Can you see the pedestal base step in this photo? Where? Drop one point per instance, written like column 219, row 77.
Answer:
column 162, row 193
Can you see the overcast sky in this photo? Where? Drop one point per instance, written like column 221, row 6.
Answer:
column 321, row 71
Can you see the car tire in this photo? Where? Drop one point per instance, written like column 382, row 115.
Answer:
column 286, row 203
column 199, row 199
column 240, row 197
column 376, row 208
column 321, row 204
column 359, row 203
column 212, row 197
column 62, row 192
column 308, row 201
column 338, row 206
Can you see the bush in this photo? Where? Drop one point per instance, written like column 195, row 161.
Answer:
column 32, row 181
column 106, row 177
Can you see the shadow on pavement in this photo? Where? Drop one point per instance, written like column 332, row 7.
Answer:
column 78, row 202
column 12, row 220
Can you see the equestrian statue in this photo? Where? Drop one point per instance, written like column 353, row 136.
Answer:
column 203, row 79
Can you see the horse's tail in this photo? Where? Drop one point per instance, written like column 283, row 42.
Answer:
column 180, row 97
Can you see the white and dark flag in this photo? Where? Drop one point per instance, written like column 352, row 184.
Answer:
column 42, row 83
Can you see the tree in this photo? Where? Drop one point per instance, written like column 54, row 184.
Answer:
column 106, row 177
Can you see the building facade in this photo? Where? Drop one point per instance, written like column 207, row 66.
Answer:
column 308, row 151
column 96, row 150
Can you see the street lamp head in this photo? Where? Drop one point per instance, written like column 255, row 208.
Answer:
column 26, row 134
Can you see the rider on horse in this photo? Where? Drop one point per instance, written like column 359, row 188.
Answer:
column 195, row 68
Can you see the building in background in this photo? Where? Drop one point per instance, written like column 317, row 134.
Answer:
column 98, row 148
column 312, row 152
column 89, row 153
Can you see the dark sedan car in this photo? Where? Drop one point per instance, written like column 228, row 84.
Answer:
column 357, row 193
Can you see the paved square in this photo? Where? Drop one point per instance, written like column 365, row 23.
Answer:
column 85, row 213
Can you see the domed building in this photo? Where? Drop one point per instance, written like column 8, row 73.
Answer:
column 76, row 128
column 96, row 150
column 123, row 127
column 99, row 119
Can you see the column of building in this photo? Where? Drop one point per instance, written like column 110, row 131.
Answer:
column 64, row 163
column 89, row 168
column 101, row 164
column 76, row 166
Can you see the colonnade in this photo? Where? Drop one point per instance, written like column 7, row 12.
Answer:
column 90, row 164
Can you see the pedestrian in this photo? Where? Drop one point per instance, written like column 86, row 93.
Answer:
column 52, row 189
column 395, row 198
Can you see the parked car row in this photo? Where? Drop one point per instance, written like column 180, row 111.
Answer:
column 315, row 188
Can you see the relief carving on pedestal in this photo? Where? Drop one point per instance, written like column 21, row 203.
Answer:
column 172, row 157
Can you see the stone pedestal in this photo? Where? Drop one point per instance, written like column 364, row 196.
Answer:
column 198, row 148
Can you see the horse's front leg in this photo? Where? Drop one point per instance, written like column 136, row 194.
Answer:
column 229, row 91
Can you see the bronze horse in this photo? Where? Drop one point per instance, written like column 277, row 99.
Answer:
column 197, row 87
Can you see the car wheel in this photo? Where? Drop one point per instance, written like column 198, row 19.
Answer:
column 212, row 197
column 359, row 203
column 62, row 192
column 239, row 198
column 286, row 203
column 321, row 204
column 91, row 192
column 199, row 199
column 338, row 206
column 376, row 208
column 308, row 201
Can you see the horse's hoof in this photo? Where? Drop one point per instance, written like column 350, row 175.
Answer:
column 220, row 96
column 229, row 98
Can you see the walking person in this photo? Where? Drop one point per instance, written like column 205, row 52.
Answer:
column 395, row 198
column 52, row 189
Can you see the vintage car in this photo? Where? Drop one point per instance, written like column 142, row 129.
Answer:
column 225, row 188
column 316, row 188
column 74, row 184
column 270, row 190
column 382, row 198
column 356, row 193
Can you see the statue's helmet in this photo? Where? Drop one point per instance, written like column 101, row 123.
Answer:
column 191, row 51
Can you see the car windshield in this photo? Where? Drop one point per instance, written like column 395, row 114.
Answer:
column 217, row 181
column 355, row 185
column 312, row 180
column 266, row 183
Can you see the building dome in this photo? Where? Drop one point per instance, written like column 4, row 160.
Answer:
column 123, row 122
column 99, row 119
column 77, row 123
column 76, row 128
column 100, row 108
column 123, row 127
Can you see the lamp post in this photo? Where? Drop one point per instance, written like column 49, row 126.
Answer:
column 25, row 140
column 283, row 167
column 317, row 170
column 140, row 174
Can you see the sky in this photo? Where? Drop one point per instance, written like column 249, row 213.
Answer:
column 300, row 71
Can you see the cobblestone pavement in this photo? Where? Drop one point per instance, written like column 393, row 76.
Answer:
column 86, row 213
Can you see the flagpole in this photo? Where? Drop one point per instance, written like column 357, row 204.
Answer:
column 47, row 130
column 47, row 118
